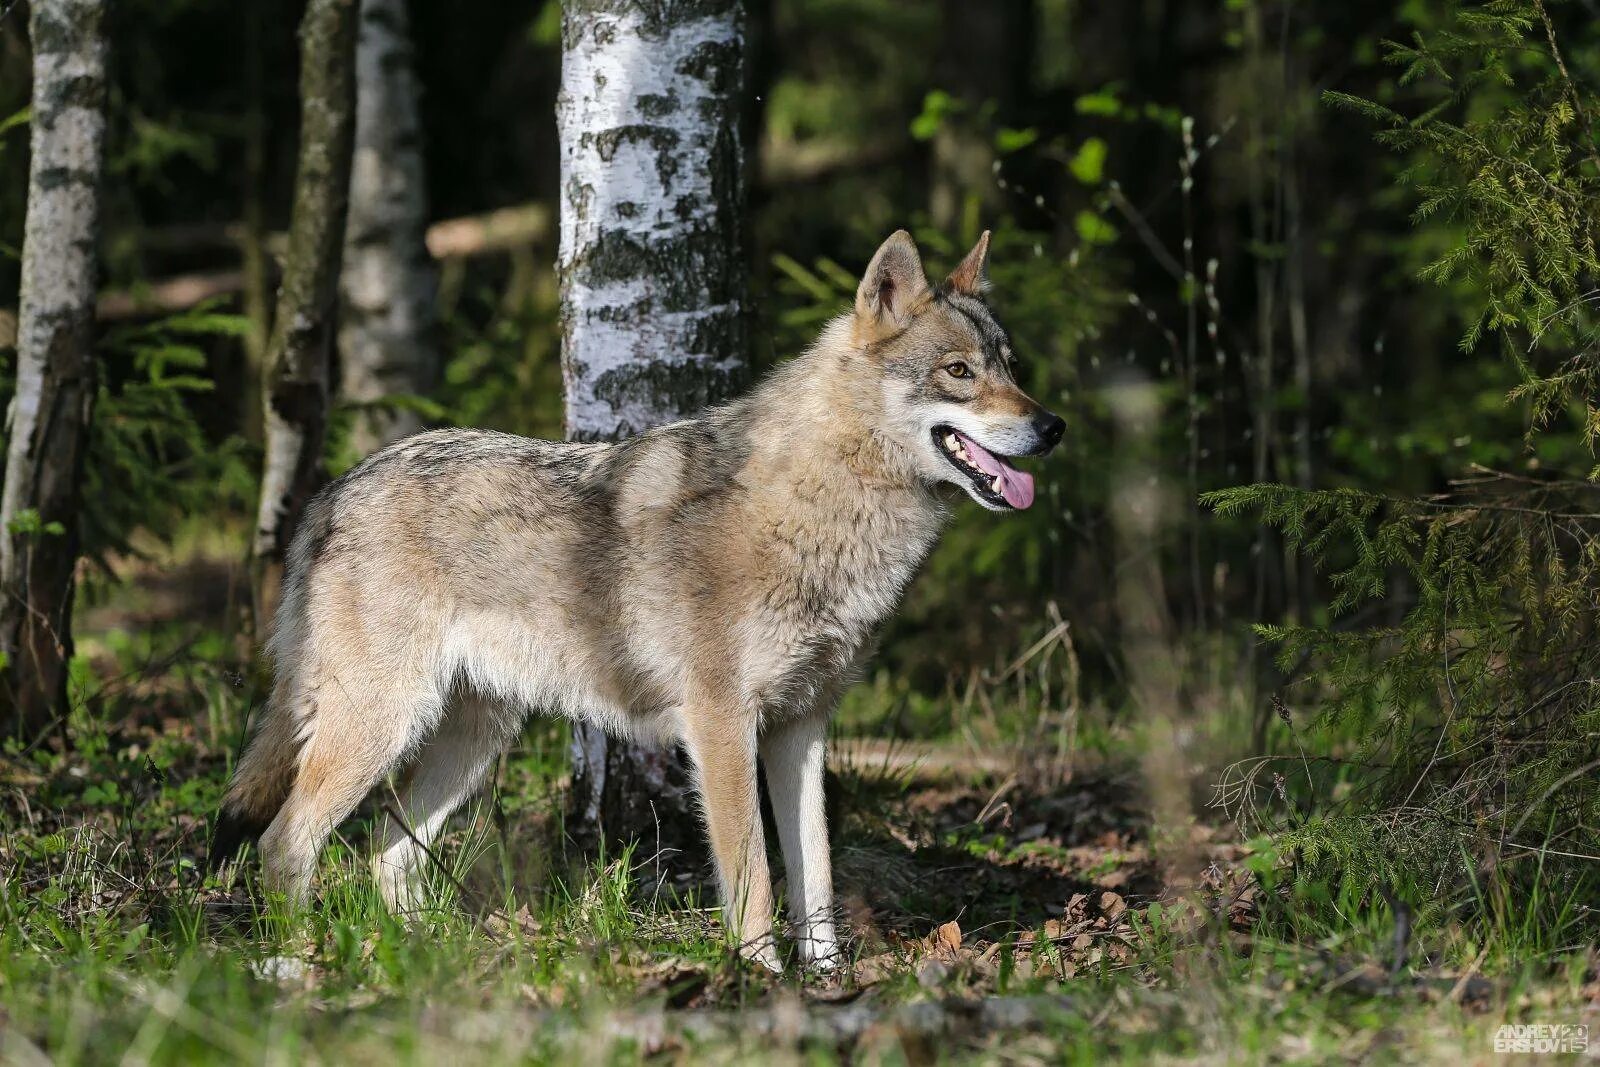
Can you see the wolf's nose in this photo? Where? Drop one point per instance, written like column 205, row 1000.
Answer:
column 1049, row 428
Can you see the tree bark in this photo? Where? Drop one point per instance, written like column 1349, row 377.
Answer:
column 653, row 275
column 296, row 389
column 387, row 342
column 50, row 416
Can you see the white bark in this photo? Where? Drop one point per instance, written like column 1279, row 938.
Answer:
column 650, row 256
column 652, row 279
column 50, row 414
column 387, row 344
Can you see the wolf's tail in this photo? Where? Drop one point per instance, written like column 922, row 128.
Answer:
column 260, row 785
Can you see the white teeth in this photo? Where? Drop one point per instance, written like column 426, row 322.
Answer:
column 995, row 485
column 950, row 440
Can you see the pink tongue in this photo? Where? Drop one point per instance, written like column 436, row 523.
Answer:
column 1015, row 486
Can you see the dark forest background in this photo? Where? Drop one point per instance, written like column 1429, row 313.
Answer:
column 1313, row 283
column 1117, row 150
column 1179, row 202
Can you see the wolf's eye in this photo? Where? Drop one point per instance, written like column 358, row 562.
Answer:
column 1014, row 367
column 957, row 369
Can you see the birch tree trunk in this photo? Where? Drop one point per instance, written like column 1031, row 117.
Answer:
column 50, row 416
column 297, row 354
column 387, row 344
column 652, row 269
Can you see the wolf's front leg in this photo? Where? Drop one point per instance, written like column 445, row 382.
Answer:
column 794, row 754
column 722, row 744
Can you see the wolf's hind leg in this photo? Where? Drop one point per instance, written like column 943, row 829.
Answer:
column 449, row 769
column 352, row 746
column 793, row 753
column 722, row 745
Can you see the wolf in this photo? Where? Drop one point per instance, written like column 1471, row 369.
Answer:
column 710, row 583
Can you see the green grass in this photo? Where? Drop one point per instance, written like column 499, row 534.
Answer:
column 347, row 983
column 115, row 948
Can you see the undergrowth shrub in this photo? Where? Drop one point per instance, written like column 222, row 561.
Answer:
column 151, row 465
column 1475, row 776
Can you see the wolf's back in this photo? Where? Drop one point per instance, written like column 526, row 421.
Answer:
column 412, row 519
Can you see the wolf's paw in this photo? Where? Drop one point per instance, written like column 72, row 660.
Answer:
column 764, row 952
column 824, row 966
column 821, row 957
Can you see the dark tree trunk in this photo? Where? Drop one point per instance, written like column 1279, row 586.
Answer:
column 387, row 343
column 50, row 415
column 653, row 277
column 297, row 353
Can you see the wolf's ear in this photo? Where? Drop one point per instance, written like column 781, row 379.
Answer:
column 894, row 282
column 971, row 276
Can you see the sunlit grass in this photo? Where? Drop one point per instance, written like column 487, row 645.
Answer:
column 115, row 948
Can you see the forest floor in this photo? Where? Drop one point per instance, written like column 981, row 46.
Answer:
column 990, row 917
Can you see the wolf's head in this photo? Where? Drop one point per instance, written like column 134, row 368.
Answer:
column 950, row 395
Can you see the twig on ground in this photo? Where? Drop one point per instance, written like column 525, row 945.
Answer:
column 1467, row 976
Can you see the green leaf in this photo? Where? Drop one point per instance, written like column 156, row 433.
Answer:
column 1104, row 102
column 29, row 523
column 1008, row 140
column 546, row 27
column 16, row 118
column 1089, row 162
column 429, row 410
column 1094, row 229
column 937, row 106
column 806, row 279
